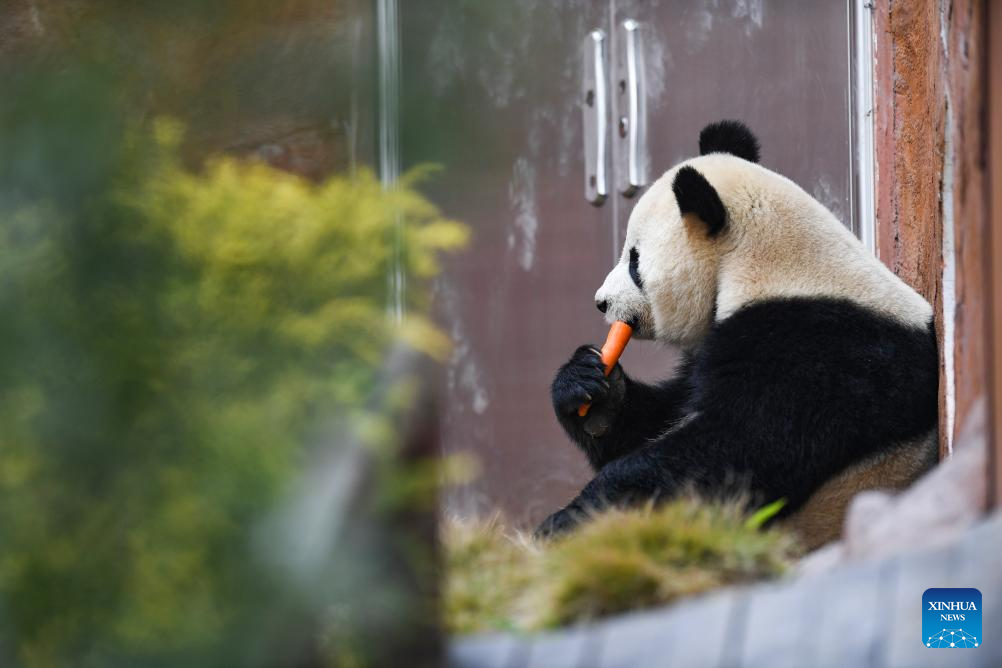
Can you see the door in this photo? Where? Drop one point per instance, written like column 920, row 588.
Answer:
column 494, row 93
column 781, row 67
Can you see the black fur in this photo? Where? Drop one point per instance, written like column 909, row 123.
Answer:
column 635, row 268
column 636, row 413
column 732, row 137
column 781, row 396
column 695, row 195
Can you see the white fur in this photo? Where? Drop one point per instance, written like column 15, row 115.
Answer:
column 778, row 242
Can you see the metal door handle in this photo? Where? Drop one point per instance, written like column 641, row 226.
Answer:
column 632, row 126
column 595, row 109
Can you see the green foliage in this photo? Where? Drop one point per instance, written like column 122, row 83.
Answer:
column 171, row 343
column 758, row 519
column 622, row 560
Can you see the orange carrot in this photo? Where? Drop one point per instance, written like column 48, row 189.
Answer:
column 615, row 344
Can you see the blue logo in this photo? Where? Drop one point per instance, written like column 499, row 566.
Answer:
column 951, row 618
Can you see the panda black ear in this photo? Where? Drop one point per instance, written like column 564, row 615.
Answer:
column 695, row 195
column 732, row 137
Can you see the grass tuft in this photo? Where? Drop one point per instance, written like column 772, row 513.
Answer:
column 487, row 574
column 499, row 579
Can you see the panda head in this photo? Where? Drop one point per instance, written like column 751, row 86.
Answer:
column 666, row 282
column 720, row 231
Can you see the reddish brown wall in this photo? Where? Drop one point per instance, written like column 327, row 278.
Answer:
column 910, row 118
column 994, row 303
column 930, row 115
column 964, row 70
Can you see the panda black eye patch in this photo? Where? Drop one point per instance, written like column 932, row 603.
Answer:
column 635, row 268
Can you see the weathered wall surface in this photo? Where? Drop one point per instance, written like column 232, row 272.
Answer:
column 993, row 304
column 964, row 27
column 911, row 112
column 930, row 172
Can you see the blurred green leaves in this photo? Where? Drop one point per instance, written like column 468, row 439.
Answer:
column 171, row 340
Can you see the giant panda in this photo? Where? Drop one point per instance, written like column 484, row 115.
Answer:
column 809, row 370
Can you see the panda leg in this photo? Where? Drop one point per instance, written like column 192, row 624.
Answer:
column 631, row 479
column 697, row 457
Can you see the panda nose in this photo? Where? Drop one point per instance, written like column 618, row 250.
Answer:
column 602, row 306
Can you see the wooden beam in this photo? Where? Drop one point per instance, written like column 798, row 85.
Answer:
column 967, row 202
column 994, row 267
column 910, row 117
column 932, row 182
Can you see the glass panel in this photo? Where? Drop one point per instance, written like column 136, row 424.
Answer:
column 781, row 67
column 492, row 94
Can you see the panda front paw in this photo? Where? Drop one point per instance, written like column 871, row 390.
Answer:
column 559, row 523
column 582, row 380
